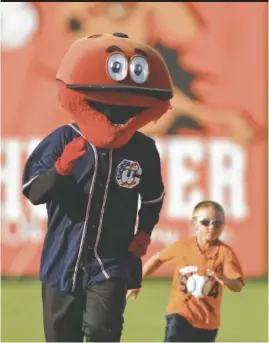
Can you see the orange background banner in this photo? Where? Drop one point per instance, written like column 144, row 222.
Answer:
column 213, row 142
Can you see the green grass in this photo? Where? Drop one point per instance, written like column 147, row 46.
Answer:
column 244, row 315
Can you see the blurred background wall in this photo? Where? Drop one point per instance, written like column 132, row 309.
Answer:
column 212, row 142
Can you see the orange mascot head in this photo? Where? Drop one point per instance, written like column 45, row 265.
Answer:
column 112, row 86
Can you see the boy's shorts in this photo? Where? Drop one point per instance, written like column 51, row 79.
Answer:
column 178, row 329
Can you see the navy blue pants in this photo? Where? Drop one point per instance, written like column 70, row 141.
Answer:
column 178, row 329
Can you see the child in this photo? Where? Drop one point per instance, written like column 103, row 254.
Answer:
column 192, row 319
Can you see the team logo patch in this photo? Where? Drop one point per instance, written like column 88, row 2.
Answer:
column 128, row 174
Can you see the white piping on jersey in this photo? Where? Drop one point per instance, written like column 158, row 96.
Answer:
column 87, row 213
column 154, row 200
column 102, row 217
column 29, row 182
column 77, row 130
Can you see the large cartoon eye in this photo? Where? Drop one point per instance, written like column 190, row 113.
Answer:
column 117, row 67
column 139, row 69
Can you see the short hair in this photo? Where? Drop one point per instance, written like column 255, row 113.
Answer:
column 211, row 204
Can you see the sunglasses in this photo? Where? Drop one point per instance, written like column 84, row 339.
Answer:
column 217, row 223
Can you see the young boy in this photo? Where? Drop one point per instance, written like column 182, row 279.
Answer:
column 192, row 319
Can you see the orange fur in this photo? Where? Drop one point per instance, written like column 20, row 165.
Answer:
column 97, row 129
column 85, row 63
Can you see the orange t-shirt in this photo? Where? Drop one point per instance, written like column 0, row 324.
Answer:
column 201, row 313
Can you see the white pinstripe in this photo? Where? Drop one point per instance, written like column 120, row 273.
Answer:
column 154, row 200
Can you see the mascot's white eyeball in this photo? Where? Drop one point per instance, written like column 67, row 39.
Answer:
column 117, row 67
column 139, row 69
column 199, row 286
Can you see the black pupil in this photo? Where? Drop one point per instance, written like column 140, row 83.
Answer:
column 116, row 67
column 138, row 69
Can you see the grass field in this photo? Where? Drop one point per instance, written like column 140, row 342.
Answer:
column 244, row 315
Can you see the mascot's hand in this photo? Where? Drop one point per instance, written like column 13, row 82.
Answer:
column 72, row 151
column 139, row 244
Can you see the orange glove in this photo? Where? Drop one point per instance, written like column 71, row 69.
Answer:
column 139, row 244
column 72, row 151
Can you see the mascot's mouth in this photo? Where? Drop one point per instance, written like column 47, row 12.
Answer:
column 117, row 115
column 161, row 94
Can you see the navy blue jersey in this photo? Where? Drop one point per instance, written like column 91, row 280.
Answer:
column 92, row 213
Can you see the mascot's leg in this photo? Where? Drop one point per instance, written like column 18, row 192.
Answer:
column 103, row 316
column 62, row 314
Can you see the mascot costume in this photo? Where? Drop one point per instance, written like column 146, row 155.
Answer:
column 90, row 174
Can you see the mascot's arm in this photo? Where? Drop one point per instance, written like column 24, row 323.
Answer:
column 42, row 187
column 152, row 194
column 49, row 162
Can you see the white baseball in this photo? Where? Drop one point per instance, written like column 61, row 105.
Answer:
column 199, row 286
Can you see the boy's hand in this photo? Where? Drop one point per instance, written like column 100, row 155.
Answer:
column 233, row 284
column 72, row 151
column 219, row 278
column 133, row 293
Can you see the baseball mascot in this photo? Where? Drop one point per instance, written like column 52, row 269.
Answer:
column 90, row 174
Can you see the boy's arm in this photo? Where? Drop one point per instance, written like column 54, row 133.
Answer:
column 152, row 265
column 232, row 276
column 234, row 285
column 157, row 260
